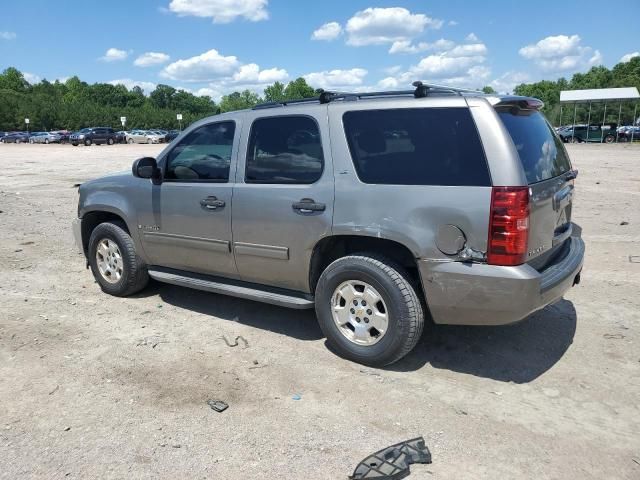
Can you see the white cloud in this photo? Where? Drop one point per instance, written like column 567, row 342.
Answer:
column 206, row 67
column 32, row 78
column 458, row 65
column 7, row 35
column 388, row 83
column 114, row 54
column 508, row 81
column 472, row 38
column 452, row 23
column 148, row 87
column 251, row 73
column 149, row 59
column 561, row 53
column 629, row 56
column 332, row 79
column 328, row 31
column 405, row 46
column 375, row 26
column 222, row 11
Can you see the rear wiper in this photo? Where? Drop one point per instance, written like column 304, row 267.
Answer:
column 392, row 463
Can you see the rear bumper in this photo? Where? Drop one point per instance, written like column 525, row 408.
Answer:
column 480, row 294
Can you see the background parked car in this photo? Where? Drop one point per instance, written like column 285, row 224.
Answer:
column 137, row 136
column 589, row 133
column 45, row 137
column 626, row 133
column 64, row 135
column 155, row 136
column 96, row 135
column 32, row 135
column 171, row 134
column 121, row 136
column 15, row 137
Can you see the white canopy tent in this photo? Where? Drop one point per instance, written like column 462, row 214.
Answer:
column 600, row 95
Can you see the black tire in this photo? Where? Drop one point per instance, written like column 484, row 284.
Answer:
column 46, row 140
column 87, row 142
column 134, row 273
column 130, row 141
column 609, row 139
column 74, row 144
column 110, row 141
column 405, row 314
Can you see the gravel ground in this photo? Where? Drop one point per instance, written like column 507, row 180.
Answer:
column 93, row 386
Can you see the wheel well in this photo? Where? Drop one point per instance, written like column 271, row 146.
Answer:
column 91, row 220
column 330, row 249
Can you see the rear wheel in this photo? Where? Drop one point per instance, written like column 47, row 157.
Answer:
column 130, row 141
column 575, row 140
column 46, row 140
column 609, row 139
column 368, row 309
column 114, row 263
column 87, row 142
column 110, row 141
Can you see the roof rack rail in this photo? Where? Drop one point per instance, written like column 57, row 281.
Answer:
column 324, row 96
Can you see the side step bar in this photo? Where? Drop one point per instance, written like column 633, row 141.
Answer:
column 232, row 288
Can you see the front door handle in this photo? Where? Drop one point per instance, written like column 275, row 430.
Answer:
column 212, row 203
column 308, row 205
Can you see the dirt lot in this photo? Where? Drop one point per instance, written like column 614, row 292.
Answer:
column 93, row 386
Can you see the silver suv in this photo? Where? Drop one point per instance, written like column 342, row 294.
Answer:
column 377, row 209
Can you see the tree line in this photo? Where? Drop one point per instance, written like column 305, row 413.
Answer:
column 621, row 75
column 74, row 104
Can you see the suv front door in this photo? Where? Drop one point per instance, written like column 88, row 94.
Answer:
column 188, row 223
column 283, row 197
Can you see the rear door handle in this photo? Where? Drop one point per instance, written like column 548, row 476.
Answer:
column 308, row 205
column 212, row 203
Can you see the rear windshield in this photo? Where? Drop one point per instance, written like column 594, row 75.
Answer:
column 541, row 151
column 416, row 146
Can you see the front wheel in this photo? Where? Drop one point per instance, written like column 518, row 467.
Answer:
column 87, row 142
column 114, row 263
column 609, row 139
column 110, row 141
column 368, row 310
column 130, row 141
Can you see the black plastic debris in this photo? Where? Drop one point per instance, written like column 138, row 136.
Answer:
column 217, row 405
column 392, row 463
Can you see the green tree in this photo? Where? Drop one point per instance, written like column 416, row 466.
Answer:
column 488, row 89
column 274, row 93
column 298, row 88
column 239, row 101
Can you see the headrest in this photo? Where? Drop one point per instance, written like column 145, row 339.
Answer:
column 372, row 141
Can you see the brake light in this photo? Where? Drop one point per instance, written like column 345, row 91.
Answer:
column 508, row 226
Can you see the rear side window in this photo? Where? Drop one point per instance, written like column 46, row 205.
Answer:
column 417, row 146
column 284, row 149
column 541, row 151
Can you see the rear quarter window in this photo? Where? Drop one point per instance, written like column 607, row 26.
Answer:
column 542, row 153
column 416, row 146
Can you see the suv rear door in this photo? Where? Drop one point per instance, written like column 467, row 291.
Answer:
column 283, row 198
column 547, row 169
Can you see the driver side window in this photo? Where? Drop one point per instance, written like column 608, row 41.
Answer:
column 204, row 155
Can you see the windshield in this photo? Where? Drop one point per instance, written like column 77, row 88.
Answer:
column 541, row 152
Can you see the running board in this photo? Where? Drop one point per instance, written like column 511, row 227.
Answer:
column 232, row 288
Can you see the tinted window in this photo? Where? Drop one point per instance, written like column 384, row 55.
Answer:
column 417, row 146
column 541, row 151
column 203, row 155
column 284, row 150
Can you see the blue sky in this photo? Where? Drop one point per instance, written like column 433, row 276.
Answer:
column 214, row 47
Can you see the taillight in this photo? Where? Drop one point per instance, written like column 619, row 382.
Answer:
column 508, row 226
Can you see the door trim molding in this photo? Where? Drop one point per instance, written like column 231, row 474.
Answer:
column 256, row 250
column 210, row 244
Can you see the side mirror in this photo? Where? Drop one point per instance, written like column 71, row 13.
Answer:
column 146, row 167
